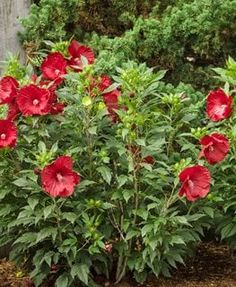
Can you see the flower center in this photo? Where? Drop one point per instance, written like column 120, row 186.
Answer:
column 59, row 177
column 220, row 110
column 57, row 72
column 191, row 184
column 211, row 148
column 3, row 136
column 35, row 102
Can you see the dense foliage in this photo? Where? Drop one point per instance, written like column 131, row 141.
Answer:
column 91, row 168
column 182, row 36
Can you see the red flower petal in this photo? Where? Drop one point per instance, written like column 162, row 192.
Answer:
column 214, row 147
column 8, row 89
column 13, row 110
column 195, row 182
column 33, row 100
column 219, row 105
column 104, row 83
column 54, row 66
column 8, row 134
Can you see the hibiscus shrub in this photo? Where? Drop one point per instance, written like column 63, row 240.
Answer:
column 91, row 167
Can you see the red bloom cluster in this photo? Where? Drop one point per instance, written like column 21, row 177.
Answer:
column 196, row 180
column 59, row 179
column 39, row 97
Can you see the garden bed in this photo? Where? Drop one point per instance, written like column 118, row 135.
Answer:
column 213, row 266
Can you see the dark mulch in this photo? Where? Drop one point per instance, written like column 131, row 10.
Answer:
column 213, row 266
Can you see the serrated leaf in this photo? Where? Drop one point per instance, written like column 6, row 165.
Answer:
column 82, row 273
column 62, row 281
column 21, row 182
column 132, row 233
column 111, row 88
column 105, row 173
column 47, row 211
column 47, row 232
column 70, row 216
column 33, row 202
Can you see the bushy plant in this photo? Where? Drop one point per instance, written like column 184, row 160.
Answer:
column 90, row 170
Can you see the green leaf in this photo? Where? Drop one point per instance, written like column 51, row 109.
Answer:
column 146, row 229
column 93, row 130
column 33, row 202
column 209, row 211
column 142, row 213
column 69, row 216
column 3, row 193
column 81, row 271
column 28, row 237
column 141, row 142
column 131, row 234
column 122, row 179
column 111, row 88
column 105, row 173
column 62, row 281
column 47, row 211
column 21, row 182
column 47, row 232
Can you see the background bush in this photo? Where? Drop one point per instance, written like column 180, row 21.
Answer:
column 186, row 37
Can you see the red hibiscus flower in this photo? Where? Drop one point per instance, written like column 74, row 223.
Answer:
column 214, row 147
column 33, row 100
column 8, row 134
column 195, row 182
column 219, row 105
column 8, row 89
column 77, row 50
column 112, row 103
column 54, row 66
column 58, row 178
